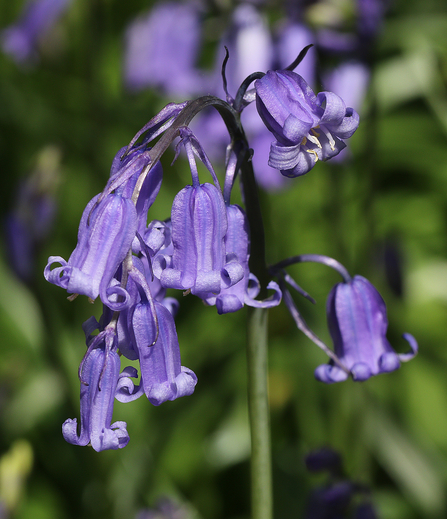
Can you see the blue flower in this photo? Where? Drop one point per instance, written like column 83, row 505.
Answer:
column 160, row 52
column 199, row 225
column 99, row 376
column 307, row 127
column 358, row 323
column 20, row 40
column 105, row 236
column 162, row 375
column 233, row 296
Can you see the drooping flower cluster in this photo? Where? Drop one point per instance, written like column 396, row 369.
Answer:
column 129, row 264
column 203, row 249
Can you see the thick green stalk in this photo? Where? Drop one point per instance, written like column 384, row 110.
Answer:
column 261, row 470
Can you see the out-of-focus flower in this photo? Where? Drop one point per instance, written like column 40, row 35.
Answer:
column 350, row 81
column 166, row 508
column 369, row 17
column 292, row 37
column 324, row 459
column 339, row 497
column 21, row 39
column 307, row 127
column 31, row 219
column 250, row 47
column 161, row 50
column 358, row 323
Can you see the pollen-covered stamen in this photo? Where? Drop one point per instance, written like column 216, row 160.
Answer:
column 305, row 148
column 313, row 152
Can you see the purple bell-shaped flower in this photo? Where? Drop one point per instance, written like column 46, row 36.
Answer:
column 162, row 375
column 105, row 236
column 233, row 296
column 99, row 377
column 358, row 323
column 199, row 225
column 307, row 127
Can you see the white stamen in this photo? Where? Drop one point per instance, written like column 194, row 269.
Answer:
column 314, row 140
column 329, row 137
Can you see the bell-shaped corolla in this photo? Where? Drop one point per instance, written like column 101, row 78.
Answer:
column 162, row 375
column 358, row 324
column 99, row 377
column 233, row 296
column 105, row 236
column 199, row 226
column 307, row 127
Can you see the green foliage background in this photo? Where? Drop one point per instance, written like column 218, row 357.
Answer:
column 390, row 430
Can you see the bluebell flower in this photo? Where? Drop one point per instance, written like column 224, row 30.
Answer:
column 358, row 323
column 162, row 375
column 99, row 377
column 307, row 127
column 32, row 216
column 199, row 225
column 161, row 49
column 233, row 296
column 20, row 40
column 236, row 242
column 106, row 232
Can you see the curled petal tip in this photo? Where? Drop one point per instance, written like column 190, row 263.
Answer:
column 404, row 357
column 330, row 374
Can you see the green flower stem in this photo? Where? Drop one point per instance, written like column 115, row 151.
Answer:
column 261, row 466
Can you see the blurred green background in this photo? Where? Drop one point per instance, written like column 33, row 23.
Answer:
column 71, row 113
